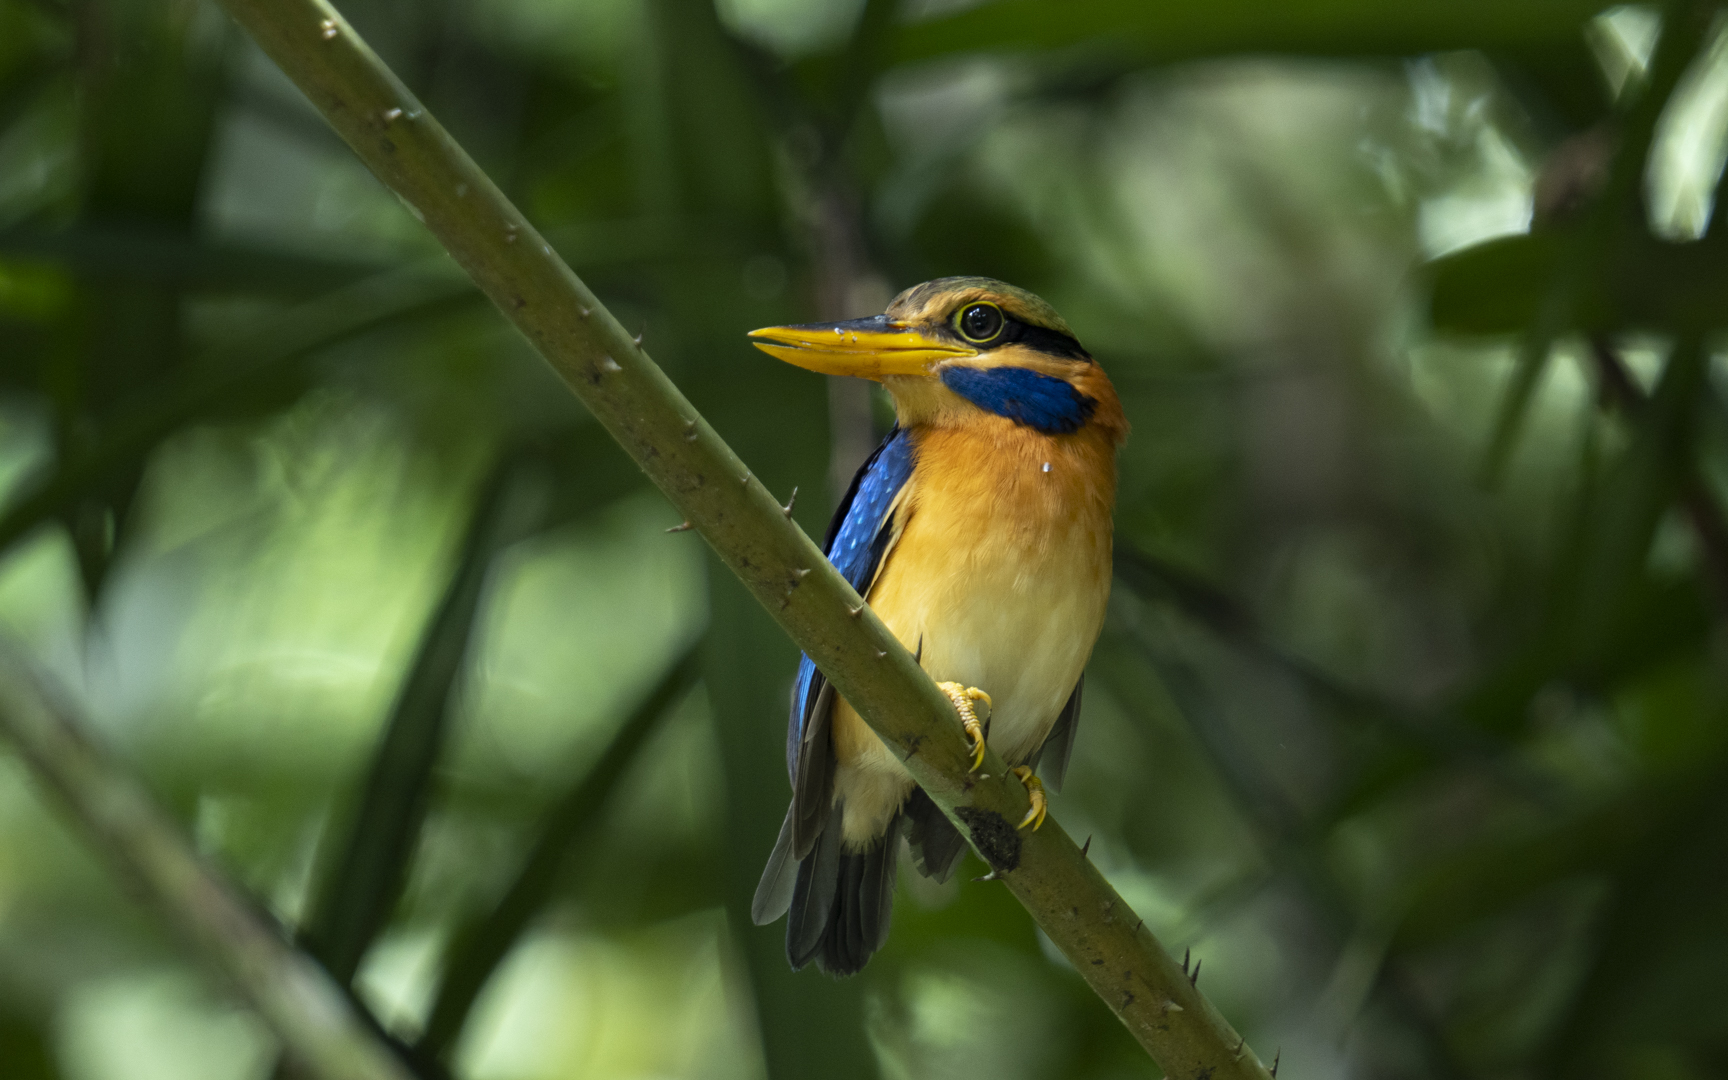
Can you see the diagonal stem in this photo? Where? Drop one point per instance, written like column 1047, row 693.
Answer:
column 405, row 147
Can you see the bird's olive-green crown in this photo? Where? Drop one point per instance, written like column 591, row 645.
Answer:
column 933, row 301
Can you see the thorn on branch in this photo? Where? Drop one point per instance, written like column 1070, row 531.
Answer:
column 1087, row 846
column 918, row 656
column 786, row 510
column 1276, row 1057
column 391, row 116
column 638, row 340
column 1186, row 953
column 855, row 611
column 1194, row 978
column 683, row 527
column 881, row 654
column 690, row 431
column 328, row 29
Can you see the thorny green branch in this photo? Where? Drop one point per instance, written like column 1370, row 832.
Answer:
column 407, row 149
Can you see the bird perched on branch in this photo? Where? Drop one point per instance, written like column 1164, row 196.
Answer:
column 979, row 531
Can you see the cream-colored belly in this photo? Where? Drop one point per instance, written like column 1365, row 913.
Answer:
column 998, row 601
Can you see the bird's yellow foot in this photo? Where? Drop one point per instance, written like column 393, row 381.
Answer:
column 964, row 699
column 1034, row 791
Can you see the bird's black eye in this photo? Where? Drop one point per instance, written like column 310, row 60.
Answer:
column 979, row 323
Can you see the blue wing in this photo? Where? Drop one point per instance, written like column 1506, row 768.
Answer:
column 857, row 537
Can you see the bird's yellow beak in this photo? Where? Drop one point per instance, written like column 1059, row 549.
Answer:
column 867, row 348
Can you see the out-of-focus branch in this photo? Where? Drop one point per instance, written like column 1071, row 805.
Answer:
column 407, row 149
column 1696, row 500
column 319, row 1027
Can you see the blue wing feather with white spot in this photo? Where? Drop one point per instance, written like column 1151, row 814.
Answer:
column 857, row 538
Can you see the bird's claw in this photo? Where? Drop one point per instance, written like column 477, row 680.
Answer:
column 965, row 698
column 1034, row 791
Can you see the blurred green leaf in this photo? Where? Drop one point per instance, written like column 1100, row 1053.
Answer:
column 1497, row 288
column 104, row 251
column 25, row 1049
column 1169, row 32
column 364, row 879
column 256, row 366
column 1381, row 683
column 1656, row 979
column 1487, row 880
column 1636, row 491
column 1494, row 287
column 477, row 948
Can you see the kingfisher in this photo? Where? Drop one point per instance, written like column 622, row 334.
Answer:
column 979, row 532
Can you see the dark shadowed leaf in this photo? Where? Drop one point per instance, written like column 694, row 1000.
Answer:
column 478, row 947
column 364, row 878
column 1166, row 32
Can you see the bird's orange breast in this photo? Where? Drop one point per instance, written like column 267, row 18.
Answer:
column 1000, row 575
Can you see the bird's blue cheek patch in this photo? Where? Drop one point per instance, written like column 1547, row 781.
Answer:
column 1043, row 402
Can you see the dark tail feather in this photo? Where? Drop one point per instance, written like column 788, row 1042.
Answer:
column 813, row 780
column 1051, row 759
column 813, row 895
column 936, row 844
column 843, row 901
column 774, row 892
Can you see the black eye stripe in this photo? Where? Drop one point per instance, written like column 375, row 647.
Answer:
column 1041, row 339
column 1049, row 341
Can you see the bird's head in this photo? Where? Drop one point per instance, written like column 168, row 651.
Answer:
column 954, row 350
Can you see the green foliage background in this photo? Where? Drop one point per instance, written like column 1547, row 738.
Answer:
column 1409, row 718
